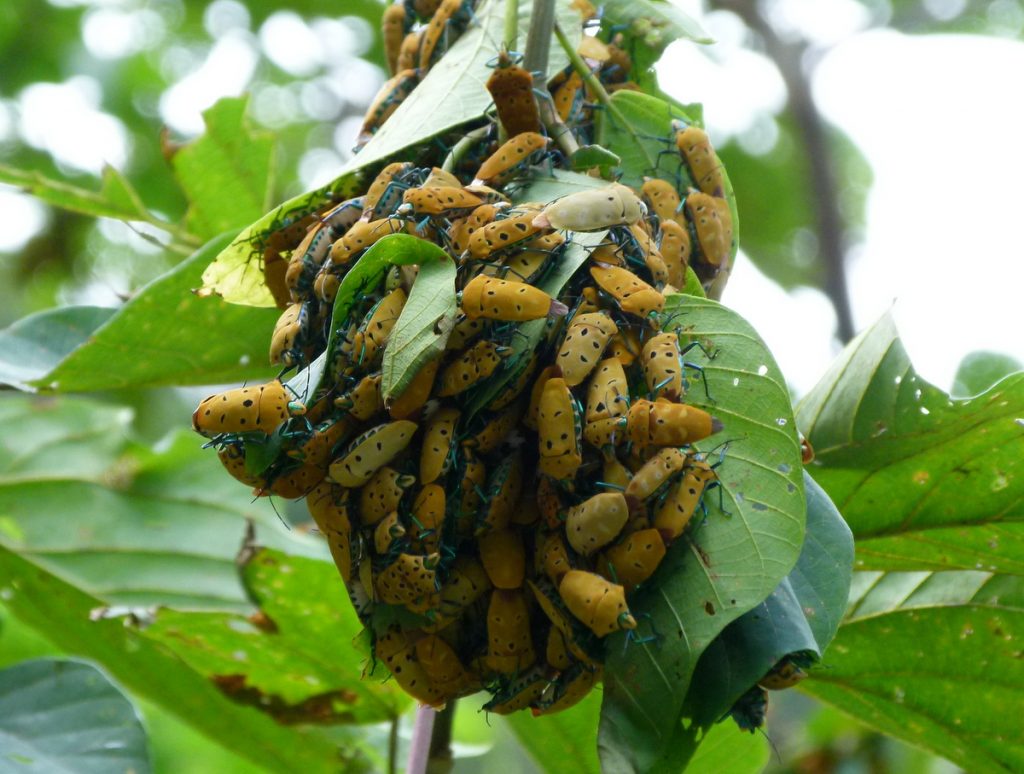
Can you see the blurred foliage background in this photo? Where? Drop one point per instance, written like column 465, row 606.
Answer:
column 87, row 83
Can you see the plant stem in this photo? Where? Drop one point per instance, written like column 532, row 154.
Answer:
column 596, row 89
column 419, row 749
column 592, row 83
column 538, row 40
column 463, row 146
column 511, row 24
column 393, row 747
column 441, row 741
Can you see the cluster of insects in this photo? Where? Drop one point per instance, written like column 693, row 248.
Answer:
column 491, row 520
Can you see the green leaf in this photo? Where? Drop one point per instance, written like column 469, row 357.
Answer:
column 550, row 185
column 227, row 173
column 422, row 329
column 925, row 482
column 692, row 286
column 368, row 271
column 299, row 662
column 236, row 275
column 166, row 335
column 115, row 199
column 46, row 438
column 934, row 659
column 62, row 614
column 647, row 16
column 457, row 83
column 589, row 156
column 34, row 345
column 728, row 563
column 642, row 135
column 565, row 741
column 980, row 370
column 822, row 576
column 121, row 522
column 798, row 619
column 724, row 748
column 58, row 715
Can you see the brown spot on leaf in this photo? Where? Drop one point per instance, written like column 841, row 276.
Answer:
column 320, row 709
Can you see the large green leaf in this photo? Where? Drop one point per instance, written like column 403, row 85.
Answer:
column 31, row 347
column 423, row 326
column 925, row 482
column 731, row 561
column 935, row 659
column 120, row 521
column 167, row 335
column 299, row 663
column 66, row 716
column 63, row 614
column 228, row 172
column 799, row 618
column 822, row 576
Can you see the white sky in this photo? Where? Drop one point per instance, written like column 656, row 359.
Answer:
column 935, row 116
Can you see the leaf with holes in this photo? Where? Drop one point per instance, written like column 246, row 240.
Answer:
column 68, row 618
column 286, row 672
column 934, row 659
column 729, row 562
column 925, row 482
